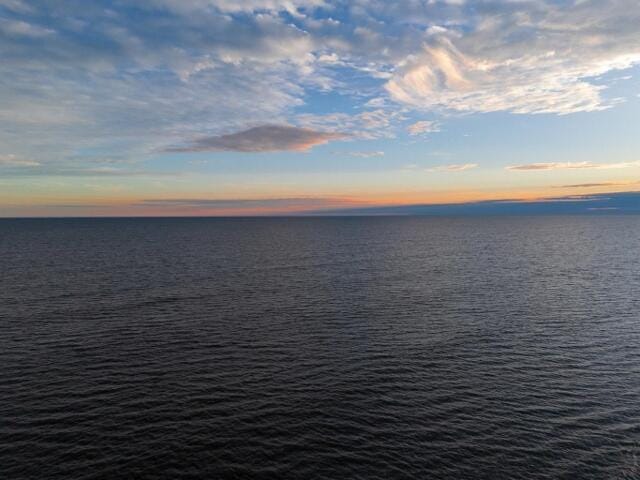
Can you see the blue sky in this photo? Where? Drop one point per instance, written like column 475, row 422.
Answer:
column 187, row 106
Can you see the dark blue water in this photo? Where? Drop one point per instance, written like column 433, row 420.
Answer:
column 337, row 348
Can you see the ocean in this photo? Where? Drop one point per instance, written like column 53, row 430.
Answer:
column 320, row 348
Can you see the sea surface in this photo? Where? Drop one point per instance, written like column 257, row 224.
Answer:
column 320, row 348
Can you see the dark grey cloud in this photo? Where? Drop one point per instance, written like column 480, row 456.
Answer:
column 264, row 138
column 595, row 185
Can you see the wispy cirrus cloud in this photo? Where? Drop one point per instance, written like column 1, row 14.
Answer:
column 294, row 7
column 456, row 167
column 571, row 166
column 461, row 167
column 376, row 153
column 19, row 169
column 423, row 126
column 521, row 57
column 23, row 29
column 11, row 160
column 264, row 138
column 451, row 167
column 370, row 124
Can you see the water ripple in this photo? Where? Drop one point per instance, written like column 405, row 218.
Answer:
column 502, row 348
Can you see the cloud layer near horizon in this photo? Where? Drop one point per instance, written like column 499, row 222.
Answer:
column 257, row 204
column 601, row 203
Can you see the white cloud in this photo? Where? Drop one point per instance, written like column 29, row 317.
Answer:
column 367, row 154
column 189, row 68
column 20, row 28
column 11, row 160
column 423, row 126
column 370, row 124
column 244, row 6
column 453, row 167
column 16, row 6
column 538, row 57
column 444, row 78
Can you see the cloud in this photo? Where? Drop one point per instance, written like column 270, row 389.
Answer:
column 571, row 166
column 271, row 205
column 597, row 185
column 56, row 170
column 108, row 80
column 366, row 154
column 367, row 125
column 15, row 5
column 423, row 126
column 453, row 167
column 619, row 202
column 522, row 57
column 132, row 77
column 240, row 6
column 20, row 28
column 186, row 206
column 14, row 161
column 265, row 138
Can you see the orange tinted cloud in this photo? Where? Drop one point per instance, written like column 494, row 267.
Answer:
column 572, row 166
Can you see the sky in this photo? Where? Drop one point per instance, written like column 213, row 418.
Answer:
column 258, row 107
